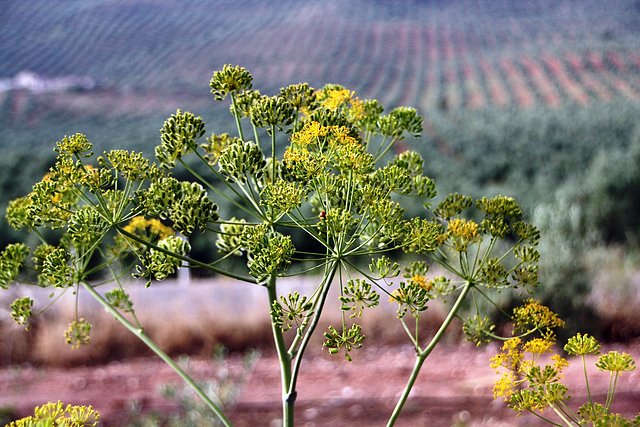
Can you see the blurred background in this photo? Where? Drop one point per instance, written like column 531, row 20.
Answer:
column 539, row 99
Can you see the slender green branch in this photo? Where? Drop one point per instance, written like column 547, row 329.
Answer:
column 236, row 115
column 324, row 291
column 422, row 355
column 190, row 260
column 138, row 332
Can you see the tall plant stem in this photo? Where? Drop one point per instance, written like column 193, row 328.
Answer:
column 422, row 355
column 288, row 399
column 138, row 332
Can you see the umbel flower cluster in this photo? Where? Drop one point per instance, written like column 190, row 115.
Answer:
column 318, row 163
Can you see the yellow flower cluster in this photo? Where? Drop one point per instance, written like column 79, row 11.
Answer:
column 310, row 134
column 422, row 281
column 397, row 295
column 533, row 315
column 142, row 226
column 516, row 368
column 463, row 233
column 58, row 414
column 337, row 98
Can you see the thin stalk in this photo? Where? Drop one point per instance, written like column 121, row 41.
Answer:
column 409, row 334
column 586, row 378
column 612, row 389
column 562, row 417
column 546, row 420
column 273, row 153
column 236, row 115
column 138, row 332
column 326, row 284
column 216, row 189
column 421, row 356
column 288, row 398
column 190, row 260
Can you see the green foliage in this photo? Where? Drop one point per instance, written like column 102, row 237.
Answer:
column 334, row 182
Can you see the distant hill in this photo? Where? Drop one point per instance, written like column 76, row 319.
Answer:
column 477, row 69
column 429, row 54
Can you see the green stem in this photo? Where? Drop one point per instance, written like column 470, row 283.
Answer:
column 236, row 115
column 586, row 378
column 562, row 417
column 273, row 153
column 422, row 355
column 284, row 358
column 191, row 261
column 546, row 420
column 322, row 297
column 612, row 389
column 138, row 332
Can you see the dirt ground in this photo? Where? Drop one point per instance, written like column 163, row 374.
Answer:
column 454, row 388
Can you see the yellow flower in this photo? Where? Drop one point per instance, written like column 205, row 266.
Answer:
column 536, row 316
column 464, row 232
column 336, row 98
column 422, row 281
column 505, row 386
column 559, row 363
column 396, row 296
column 309, row 134
column 142, row 226
column 538, row 346
column 357, row 111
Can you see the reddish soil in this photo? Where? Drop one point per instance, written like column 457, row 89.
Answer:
column 454, row 388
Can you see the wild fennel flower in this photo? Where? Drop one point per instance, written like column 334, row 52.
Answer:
column 78, row 333
column 581, row 344
column 58, row 414
column 11, row 259
column 615, row 361
column 463, row 233
column 229, row 80
column 535, row 315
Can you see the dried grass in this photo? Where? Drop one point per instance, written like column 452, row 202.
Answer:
column 193, row 320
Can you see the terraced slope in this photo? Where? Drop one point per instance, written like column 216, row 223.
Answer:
column 431, row 54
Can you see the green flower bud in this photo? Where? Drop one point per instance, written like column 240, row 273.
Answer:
column 272, row 111
column 244, row 102
column 348, row 340
column 11, row 260
column 478, row 329
column 582, row 344
column 230, row 237
column 21, row 310
column 20, row 213
column 493, row 274
column 294, row 310
column 78, row 333
column 242, row 159
column 159, row 264
column 178, row 135
column 119, row 299
column 384, row 268
column 216, row 145
column 86, row 228
column 453, row 205
column 300, row 96
column 55, row 269
column 130, row 165
column 77, row 144
column 615, row 361
column 229, row 80
column 358, row 295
